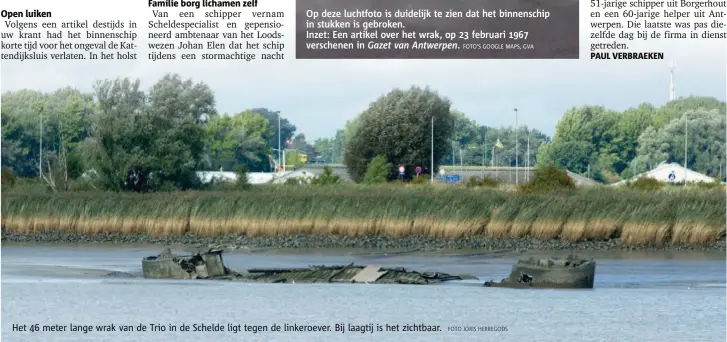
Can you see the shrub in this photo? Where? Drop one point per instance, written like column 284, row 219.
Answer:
column 327, row 177
column 547, row 179
column 421, row 180
column 378, row 171
column 710, row 185
column 8, row 176
column 488, row 182
column 292, row 181
column 83, row 185
column 646, row 184
column 242, row 182
column 300, row 180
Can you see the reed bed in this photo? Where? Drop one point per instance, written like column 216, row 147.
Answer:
column 637, row 218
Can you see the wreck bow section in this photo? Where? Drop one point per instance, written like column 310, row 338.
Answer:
column 570, row 273
column 209, row 265
column 170, row 266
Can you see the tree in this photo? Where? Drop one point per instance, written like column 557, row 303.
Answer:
column 606, row 141
column 236, row 139
column 178, row 108
column 631, row 124
column 150, row 141
column 242, row 183
column 299, row 143
column 293, row 159
column 120, row 143
column 676, row 108
column 705, row 144
column 323, row 148
column 21, row 115
column 327, row 177
column 378, row 170
column 488, row 137
column 398, row 126
column 584, row 140
column 66, row 115
column 339, row 146
column 287, row 130
column 465, row 134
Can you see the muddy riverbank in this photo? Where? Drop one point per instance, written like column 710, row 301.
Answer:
column 420, row 243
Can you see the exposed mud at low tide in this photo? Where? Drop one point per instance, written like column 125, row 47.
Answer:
column 412, row 243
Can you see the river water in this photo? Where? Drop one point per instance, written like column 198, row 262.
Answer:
column 656, row 297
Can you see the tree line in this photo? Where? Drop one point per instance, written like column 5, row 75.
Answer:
column 600, row 143
column 130, row 139
column 127, row 138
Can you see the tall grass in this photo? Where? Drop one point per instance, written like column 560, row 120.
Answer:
column 639, row 218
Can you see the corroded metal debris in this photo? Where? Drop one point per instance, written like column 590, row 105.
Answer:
column 210, row 265
column 571, row 273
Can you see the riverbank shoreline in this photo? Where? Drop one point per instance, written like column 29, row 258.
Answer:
column 303, row 242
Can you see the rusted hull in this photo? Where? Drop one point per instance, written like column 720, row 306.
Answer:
column 209, row 265
column 169, row 266
column 526, row 275
column 582, row 284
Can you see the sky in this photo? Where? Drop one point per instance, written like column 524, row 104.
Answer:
column 319, row 96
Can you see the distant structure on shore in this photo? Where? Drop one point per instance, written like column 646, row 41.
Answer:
column 671, row 173
column 254, row 177
column 503, row 174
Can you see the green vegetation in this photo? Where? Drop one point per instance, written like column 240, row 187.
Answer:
column 100, row 150
column 327, row 177
column 8, row 177
column 646, row 184
column 474, row 182
column 687, row 216
column 420, row 180
column 123, row 138
column 242, row 183
column 548, row 179
column 127, row 139
column 394, row 126
column 611, row 145
column 377, row 171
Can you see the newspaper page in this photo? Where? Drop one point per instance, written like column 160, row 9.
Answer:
column 291, row 170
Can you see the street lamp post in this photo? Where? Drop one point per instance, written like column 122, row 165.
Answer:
column 484, row 151
column 431, row 159
column 280, row 153
column 461, row 164
column 492, row 160
column 454, row 159
column 516, row 149
column 40, row 149
column 527, row 162
column 686, row 133
column 509, row 170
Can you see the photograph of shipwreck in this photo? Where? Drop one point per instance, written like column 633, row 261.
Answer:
column 481, row 203
column 571, row 272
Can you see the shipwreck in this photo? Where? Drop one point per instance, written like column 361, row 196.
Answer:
column 210, row 265
column 569, row 273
